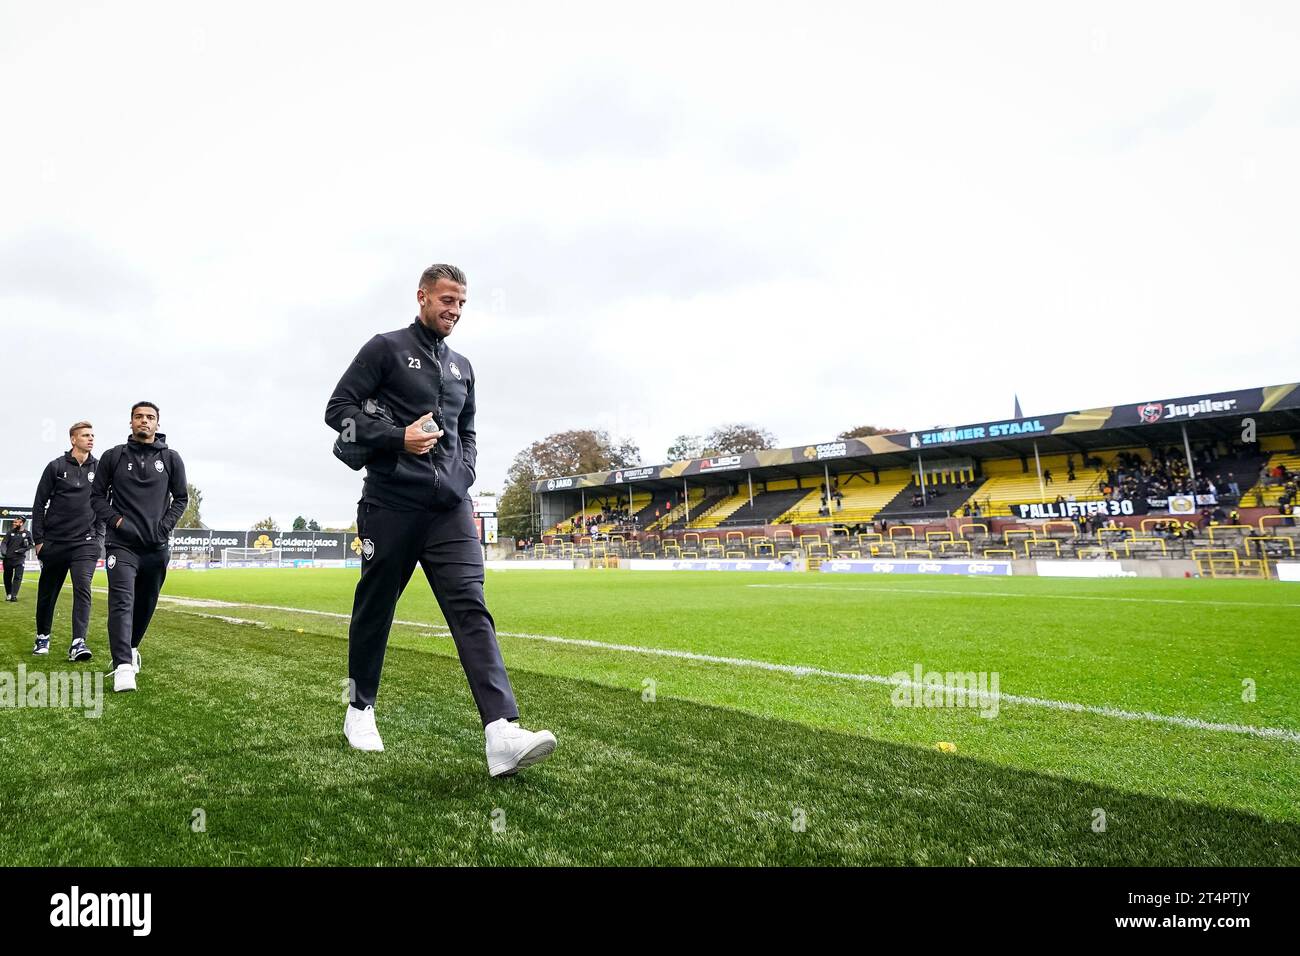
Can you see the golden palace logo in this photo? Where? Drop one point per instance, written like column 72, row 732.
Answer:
column 263, row 543
column 356, row 545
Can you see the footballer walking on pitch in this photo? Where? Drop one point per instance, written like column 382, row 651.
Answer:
column 139, row 493
column 415, row 509
column 18, row 541
column 68, row 538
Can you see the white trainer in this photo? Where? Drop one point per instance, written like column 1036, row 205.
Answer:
column 123, row 677
column 135, row 659
column 359, row 727
column 510, row 748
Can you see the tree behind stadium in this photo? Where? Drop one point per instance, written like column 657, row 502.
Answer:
column 866, row 431
column 564, row 453
column 735, row 439
column 191, row 518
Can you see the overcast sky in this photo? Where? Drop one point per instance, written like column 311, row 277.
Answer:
column 805, row 217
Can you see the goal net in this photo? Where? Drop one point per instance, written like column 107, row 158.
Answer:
column 250, row 557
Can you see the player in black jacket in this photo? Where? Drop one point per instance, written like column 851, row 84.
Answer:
column 140, row 494
column 415, row 509
column 68, row 539
column 18, row 541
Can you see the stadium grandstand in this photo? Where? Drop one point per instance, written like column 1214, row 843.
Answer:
column 1208, row 480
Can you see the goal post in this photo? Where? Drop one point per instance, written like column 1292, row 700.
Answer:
column 250, row 557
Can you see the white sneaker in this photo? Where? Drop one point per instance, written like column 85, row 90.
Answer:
column 510, row 748
column 123, row 677
column 359, row 727
column 135, row 659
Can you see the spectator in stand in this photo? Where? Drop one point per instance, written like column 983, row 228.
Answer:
column 1069, row 476
column 1047, row 476
column 1233, row 488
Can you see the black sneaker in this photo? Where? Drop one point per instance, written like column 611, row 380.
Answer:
column 79, row 651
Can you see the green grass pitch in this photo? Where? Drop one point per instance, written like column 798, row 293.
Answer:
column 678, row 743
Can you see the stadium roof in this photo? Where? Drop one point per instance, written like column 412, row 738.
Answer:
column 1275, row 409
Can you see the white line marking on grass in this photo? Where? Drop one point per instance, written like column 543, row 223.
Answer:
column 1193, row 723
column 222, row 617
column 1019, row 594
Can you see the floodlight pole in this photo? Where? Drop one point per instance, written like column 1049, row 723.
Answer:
column 583, row 492
column 686, row 500
column 920, row 477
column 749, row 476
column 1191, row 465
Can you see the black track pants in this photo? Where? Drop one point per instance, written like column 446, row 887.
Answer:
column 57, row 561
column 446, row 545
column 134, row 581
column 13, row 577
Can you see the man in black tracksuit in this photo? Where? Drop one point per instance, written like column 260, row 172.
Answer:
column 140, row 494
column 18, row 541
column 68, row 538
column 415, row 509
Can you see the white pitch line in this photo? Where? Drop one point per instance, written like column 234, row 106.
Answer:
column 1266, row 733
column 222, row 617
column 1019, row 594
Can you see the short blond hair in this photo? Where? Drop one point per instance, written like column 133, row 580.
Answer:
column 78, row 427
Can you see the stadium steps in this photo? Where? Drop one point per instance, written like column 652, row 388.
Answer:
column 1006, row 484
column 646, row 515
column 702, row 506
column 721, row 511
column 862, row 500
column 1269, row 494
column 767, row 507
column 694, row 497
column 944, row 498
